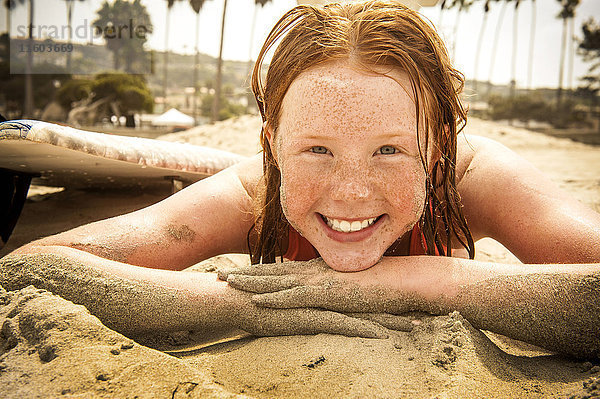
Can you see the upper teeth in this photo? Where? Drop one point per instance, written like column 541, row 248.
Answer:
column 346, row 226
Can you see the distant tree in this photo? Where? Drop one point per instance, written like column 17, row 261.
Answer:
column 217, row 98
column 125, row 27
column 495, row 44
column 513, row 74
column 462, row 5
column 130, row 92
column 10, row 5
column 257, row 4
column 196, row 6
column 170, row 4
column 70, row 4
column 589, row 48
column 486, row 11
column 29, row 101
column 73, row 91
column 531, row 44
column 567, row 12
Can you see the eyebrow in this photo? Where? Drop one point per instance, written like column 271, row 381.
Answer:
column 391, row 135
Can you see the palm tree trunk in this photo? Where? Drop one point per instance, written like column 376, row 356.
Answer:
column 250, row 48
column 196, row 65
column 29, row 67
column 217, row 99
column 478, row 52
column 562, row 62
column 531, row 46
column 495, row 46
column 8, row 12
column 455, row 33
column 166, row 58
column 571, row 40
column 441, row 17
column 513, row 73
column 69, row 24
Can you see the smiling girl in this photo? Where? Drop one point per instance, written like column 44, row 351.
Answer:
column 364, row 171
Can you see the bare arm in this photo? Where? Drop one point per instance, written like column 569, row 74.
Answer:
column 554, row 301
column 100, row 266
column 136, row 300
column 210, row 217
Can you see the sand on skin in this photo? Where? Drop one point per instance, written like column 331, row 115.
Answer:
column 442, row 356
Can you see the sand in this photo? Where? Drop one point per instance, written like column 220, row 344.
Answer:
column 52, row 347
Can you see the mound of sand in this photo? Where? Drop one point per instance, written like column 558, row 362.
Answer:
column 52, row 347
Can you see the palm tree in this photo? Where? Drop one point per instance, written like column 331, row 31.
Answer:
column 571, row 53
column 111, row 19
column 441, row 17
column 513, row 75
column 217, row 98
column 69, row 4
column 462, row 5
column 196, row 6
column 28, row 111
column 257, row 3
column 495, row 45
column 486, row 11
column 170, row 4
column 531, row 42
column 568, row 11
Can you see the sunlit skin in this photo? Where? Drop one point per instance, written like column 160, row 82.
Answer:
column 346, row 146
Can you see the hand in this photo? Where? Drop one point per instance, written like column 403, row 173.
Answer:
column 313, row 284
column 263, row 321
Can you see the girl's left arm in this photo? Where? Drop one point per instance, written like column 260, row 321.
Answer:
column 551, row 300
column 555, row 306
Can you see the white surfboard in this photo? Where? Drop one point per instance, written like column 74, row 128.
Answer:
column 66, row 157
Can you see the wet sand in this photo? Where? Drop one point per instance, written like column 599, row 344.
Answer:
column 51, row 347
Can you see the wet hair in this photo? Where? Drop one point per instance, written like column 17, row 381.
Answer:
column 369, row 34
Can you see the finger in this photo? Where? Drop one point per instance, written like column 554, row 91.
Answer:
column 312, row 321
column 348, row 300
column 297, row 297
column 271, row 269
column 262, row 284
column 393, row 322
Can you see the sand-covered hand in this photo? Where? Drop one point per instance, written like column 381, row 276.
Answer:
column 305, row 321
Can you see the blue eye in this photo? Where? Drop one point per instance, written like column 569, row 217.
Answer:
column 387, row 150
column 319, row 150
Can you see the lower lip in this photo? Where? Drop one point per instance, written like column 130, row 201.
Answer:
column 353, row 236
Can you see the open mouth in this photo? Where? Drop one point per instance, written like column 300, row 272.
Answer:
column 349, row 226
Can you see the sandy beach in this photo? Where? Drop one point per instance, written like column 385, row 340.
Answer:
column 50, row 347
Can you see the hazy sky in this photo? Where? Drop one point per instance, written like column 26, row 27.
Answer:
column 239, row 22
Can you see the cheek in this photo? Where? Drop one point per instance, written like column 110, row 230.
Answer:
column 405, row 189
column 299, row 190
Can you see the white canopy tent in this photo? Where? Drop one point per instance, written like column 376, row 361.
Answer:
column 173, row 117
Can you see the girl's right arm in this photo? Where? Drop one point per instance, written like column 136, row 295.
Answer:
column 210, row 217
column 112, row 267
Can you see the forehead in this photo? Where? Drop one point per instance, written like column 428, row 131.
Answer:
column 344, row 98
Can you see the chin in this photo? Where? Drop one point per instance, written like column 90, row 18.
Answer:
column 349, row 263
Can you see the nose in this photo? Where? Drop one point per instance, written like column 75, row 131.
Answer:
column 350, row 182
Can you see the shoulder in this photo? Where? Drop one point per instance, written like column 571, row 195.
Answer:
column 506, row 198
column 249, row 173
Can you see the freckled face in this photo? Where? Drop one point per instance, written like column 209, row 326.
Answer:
column 352, row 182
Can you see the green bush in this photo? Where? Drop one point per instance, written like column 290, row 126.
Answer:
column 530, row 107
column 72, row 91
column 130, row 91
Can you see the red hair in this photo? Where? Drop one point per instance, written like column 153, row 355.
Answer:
column 369, row 33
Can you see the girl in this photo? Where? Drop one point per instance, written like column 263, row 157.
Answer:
column 363, row 166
